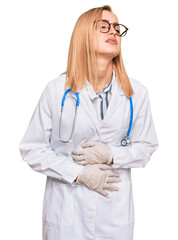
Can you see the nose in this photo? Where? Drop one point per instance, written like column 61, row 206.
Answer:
column 112, row 29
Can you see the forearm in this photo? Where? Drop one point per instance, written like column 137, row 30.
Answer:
column 135, row 156
column 35, row 147
column 47, row 162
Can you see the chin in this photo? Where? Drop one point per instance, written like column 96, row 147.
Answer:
column 110, row 54
column 110, row 51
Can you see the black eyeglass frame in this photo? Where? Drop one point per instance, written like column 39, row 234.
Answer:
column 114, row 24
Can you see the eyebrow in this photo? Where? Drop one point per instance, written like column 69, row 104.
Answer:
column 108, row 21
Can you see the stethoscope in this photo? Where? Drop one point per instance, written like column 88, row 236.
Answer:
column 76, row 109
column 125, row 140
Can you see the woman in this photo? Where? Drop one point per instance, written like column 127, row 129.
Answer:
column 88, row 191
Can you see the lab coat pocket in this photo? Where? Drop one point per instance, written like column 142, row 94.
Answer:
column 58, row 204
column 122, row 207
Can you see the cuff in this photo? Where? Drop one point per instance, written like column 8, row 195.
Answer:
column 71, row 171
column 110, row 161
column 115, row 152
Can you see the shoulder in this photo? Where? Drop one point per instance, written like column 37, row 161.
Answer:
column 140, row 90
column 54, row 88
column 137, row 85
column 56, row 85
column 58, row 82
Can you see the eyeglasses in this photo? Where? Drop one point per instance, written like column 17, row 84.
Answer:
column 104, row 27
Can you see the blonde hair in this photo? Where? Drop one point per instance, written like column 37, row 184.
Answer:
column 82, row 60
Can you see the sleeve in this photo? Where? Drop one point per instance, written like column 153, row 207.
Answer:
column 143, row 138
column 35, row 146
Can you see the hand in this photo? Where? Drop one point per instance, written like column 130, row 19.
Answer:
column 95, row 178
column 92, row 153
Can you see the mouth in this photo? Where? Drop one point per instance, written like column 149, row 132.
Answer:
column 111, row 41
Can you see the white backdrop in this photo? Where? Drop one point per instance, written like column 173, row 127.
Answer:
column 34, row 43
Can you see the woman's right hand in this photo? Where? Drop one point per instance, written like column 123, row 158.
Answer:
column 96, row 178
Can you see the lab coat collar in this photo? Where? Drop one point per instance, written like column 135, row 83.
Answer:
column 91, row 91
column 87, row 105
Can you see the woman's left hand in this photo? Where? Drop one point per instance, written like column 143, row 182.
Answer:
column 92, row 153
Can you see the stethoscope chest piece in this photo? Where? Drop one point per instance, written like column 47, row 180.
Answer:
column 125, row 141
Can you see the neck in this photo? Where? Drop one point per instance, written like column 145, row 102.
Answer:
column 104, row 74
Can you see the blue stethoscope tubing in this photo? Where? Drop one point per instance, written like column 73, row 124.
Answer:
column 64, row 97
column 124, row 142
column 131, row 116
column 76, row 109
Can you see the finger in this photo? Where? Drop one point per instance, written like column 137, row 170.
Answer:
column 113, row 174
column 104, row 166
column 78, row 158
column 110, row 187
column 113, row 179
column 88, row 144
column 102, row 192
column 78, row 151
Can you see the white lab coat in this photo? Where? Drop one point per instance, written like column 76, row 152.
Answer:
column 70, row 210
